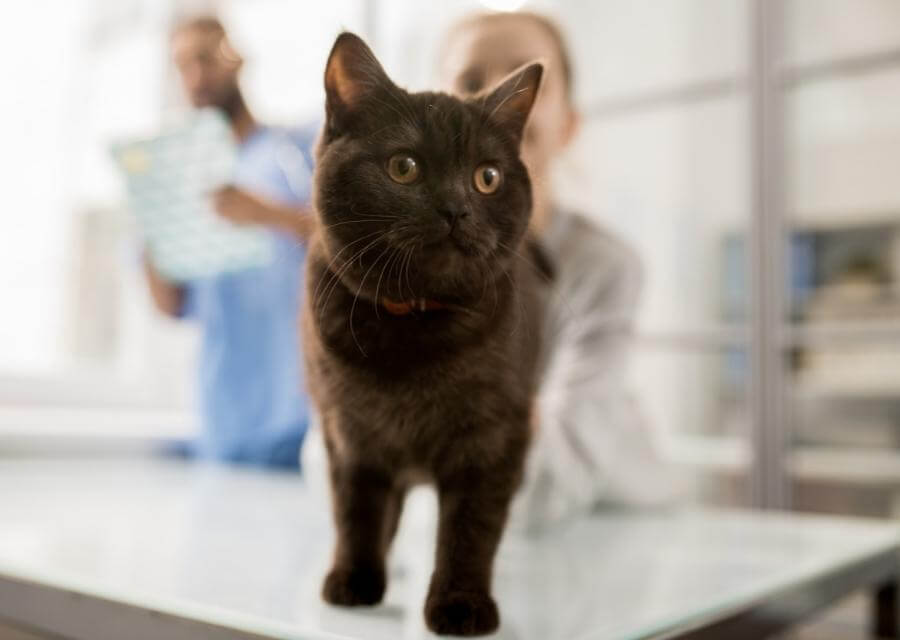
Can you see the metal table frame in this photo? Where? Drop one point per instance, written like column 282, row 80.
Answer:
column 69, row 613
column 879, row 574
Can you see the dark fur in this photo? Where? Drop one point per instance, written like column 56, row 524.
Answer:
column 443, row 395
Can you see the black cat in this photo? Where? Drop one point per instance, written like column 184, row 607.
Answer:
column 421, row 323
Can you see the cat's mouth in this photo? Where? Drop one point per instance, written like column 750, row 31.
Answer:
column 464, row 246
column 455, row 242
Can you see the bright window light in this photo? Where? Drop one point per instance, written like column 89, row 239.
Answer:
column 503, row 5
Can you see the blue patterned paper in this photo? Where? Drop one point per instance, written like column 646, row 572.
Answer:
column 170, row 179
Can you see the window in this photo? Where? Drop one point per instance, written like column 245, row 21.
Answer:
column 79, row 331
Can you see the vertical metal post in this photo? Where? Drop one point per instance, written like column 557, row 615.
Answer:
column 885, row 619
column 768, row 243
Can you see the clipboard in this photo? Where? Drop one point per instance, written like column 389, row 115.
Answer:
column 169, row 179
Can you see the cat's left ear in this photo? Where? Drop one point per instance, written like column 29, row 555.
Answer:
column 351, row 75
column 510, row 102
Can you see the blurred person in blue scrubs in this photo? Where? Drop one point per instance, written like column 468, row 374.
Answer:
column 252, row 404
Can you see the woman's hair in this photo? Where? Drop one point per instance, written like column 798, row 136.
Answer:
column 549, row 26
column 198, row 22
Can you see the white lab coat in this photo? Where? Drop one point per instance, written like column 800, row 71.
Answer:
column 592, row 443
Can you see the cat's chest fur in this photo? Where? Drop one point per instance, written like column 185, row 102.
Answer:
column 425, row 391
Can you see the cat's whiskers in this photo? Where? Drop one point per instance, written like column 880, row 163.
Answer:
column 301, row 244
column 493, row 280
column 387, row 263
column 404, row 249
column 356, row 298
column 355, row 210
column 328, row 268
column 360, row 220
column 409, row 260
column 335, row 279
column 337, row 255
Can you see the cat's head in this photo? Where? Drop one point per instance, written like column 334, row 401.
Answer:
column 420, row 194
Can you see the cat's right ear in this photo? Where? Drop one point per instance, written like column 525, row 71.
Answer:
column 510, row 102
column 351, row 75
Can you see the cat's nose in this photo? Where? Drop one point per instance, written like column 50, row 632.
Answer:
column 452, row 215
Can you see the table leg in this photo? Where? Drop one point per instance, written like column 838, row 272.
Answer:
column 885, row 619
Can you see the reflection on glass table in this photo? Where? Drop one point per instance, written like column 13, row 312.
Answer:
column 164, row 550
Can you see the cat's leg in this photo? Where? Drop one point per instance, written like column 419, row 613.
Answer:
column 362, row 503
column 473, row 513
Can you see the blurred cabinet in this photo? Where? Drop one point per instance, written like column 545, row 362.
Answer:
column 841, row 146
column 750, row 154
column 664, row 161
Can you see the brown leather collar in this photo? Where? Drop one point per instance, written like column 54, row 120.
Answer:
column 408, row 306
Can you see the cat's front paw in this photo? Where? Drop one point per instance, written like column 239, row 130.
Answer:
column 462, row 613
column 355, row 586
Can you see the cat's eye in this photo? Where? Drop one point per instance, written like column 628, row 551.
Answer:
column 403, row 168
column 487, row 178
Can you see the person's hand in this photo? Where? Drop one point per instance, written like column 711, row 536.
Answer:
column 167, row 296
column 239, row 207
